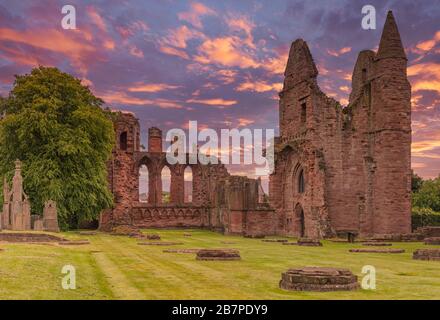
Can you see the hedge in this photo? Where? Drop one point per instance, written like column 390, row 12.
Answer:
column 424, row 217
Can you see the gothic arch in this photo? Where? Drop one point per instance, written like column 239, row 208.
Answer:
column 123, row 140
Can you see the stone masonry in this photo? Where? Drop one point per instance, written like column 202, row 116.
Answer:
column 16, row 213
column 345, row 169
column 338, row 170
column 219, row 201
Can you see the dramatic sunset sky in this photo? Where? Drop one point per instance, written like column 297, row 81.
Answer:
column 220, row 62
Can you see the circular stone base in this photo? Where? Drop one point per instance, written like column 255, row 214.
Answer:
column 217, row 254
column 318, row 279
column 427, row 254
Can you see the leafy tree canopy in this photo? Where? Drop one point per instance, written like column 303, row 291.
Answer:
column 57, row 128
column 416, row 181
column 428, row 195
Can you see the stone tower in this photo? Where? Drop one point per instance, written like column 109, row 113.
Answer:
column 339, row 169
column 123, row 183
column 154, row 140
column 390, row 134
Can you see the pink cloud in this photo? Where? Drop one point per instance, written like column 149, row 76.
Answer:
column 194, row 15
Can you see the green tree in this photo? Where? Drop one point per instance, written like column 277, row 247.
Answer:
column 428, row 195
column 416, row 181
column 58, row 129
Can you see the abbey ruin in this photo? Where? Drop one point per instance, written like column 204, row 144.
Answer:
column 337, row 169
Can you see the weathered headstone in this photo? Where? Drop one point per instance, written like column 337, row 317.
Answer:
column 50, row 216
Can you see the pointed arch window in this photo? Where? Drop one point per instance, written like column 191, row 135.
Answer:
column 123, row 140
column 301, row 182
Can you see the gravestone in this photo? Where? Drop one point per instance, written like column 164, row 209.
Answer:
column 50, row 216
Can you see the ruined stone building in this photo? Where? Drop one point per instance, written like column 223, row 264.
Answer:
column 340, row 169
column 16, row 213
column 218, row 200
column 337, row 169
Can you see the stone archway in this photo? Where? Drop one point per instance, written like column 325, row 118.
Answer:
column 299, row 222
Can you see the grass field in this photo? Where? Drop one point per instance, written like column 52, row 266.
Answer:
column 115, row 267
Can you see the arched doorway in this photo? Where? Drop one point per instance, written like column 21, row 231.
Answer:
column 299, row 225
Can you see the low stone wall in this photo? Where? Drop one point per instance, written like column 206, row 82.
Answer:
column 147, row 216
column 218, row 254
column 398, row 237
column 429, row 232
column 427, row 254
column 318, row 279
column 378, row 250
column 309, row 242
column 29, row 237
column 432, row 241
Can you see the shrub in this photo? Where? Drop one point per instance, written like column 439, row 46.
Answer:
column 424, row 217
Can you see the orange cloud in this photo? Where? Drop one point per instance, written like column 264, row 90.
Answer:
column 174, row 52
column 242, row 24
column 429, row 44
column 194, row 15
column 72, row 44
column 21, row 57
column 277, row 64
column 96, row 18
column 338, row 52
column 226, row 76
column 131, row 29
column 178, row 37
column 109, row 44
column 213, row 102
column 151, row 87
column 345, row 89
column 242, row 122
column 52, row 40
column 135, row 51
column 122, row 98
column 419, row 147
column 259, row 86
column 226, row 52
column 425, row 76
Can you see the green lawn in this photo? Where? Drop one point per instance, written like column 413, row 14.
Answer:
column 115, row 267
